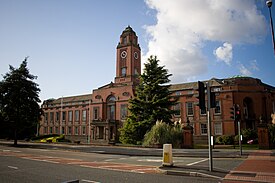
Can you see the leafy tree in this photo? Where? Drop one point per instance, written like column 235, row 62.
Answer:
column 153, row 101
column 19, row 102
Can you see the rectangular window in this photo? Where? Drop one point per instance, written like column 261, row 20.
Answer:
column 218, row 107
column 177, row 109
column 84, row 115
column 76, row 115
column 64, row 116
column 51, row 130
column 51, row 117
column 83, row 130
column 203, row 111
column 96, row 113
column 56, row 130
column 70, row 113
column 69, row 130
column 218, row 128
column 123, row 111
column 76, row 130
column 63, row 130
column 203, row 128
column 57, row 116
column 101, row 132
column 189, row 108
column 46, row 117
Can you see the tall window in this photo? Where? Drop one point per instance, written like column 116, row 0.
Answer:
column 123, row 71
column 69, row 130
column 83, row 130
column 203, row 128
column 70, row 114
column 123, row 111
column 111, row 108
column 84, row 115
column 189, row 108
column 51, row 117
column 64, row 116
column 218, row 128
column 218, row 107
column 56, row 130
column 46, row 117
column 57, row 116
column 76, row 130
column 177, row 109
column 95, row 113
column 76, row 115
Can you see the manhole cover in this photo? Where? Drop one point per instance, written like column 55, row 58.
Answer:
column 243, row 174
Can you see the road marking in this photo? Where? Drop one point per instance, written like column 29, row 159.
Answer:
column 83, row 180
column 13, row 167
column 197, row 162
column 150, row 160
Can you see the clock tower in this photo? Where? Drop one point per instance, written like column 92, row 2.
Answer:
column 128, row 62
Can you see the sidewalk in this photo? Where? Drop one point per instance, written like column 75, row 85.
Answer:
column 258, row 167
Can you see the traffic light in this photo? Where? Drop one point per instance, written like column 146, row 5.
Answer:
column 212, row 99
column 237, row 113
column 201, row 97
column 232, row 112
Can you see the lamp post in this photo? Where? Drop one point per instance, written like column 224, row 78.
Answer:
column 269, row 4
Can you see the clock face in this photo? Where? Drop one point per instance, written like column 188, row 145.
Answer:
column 123, row 54
column 136, row 55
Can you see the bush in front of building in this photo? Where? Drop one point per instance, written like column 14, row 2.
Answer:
column 271, row 130
column 249, row 135
column 225, row 140
column 162, row 133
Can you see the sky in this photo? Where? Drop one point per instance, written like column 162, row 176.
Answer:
column 71, row 44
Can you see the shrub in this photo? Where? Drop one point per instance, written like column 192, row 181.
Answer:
column 225, row 140
column 271, row 130
column 162, row 133
column 249, row 134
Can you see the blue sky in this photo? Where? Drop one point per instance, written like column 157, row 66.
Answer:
column 71, row 44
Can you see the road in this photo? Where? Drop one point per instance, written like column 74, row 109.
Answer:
column 40, row 165
column 57, row 165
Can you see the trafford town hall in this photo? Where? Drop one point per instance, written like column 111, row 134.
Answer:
column 96, row 117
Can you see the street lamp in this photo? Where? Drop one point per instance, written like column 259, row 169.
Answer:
column 269, row 4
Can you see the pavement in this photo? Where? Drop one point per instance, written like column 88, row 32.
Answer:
column 259, row 166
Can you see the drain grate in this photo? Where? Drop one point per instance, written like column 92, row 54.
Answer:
column 243, row 174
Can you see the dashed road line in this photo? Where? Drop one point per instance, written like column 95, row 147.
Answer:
column 13, row 167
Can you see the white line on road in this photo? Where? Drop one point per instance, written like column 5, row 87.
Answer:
column 13, row 167
column 83, row 180
column 197, row 162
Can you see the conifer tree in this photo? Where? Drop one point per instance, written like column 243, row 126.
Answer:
column 153, row 101
column 19, row 102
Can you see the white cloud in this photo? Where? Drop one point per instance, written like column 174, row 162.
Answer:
column 224, row 53
column 244, row 71
column 248, row 70
column 184, row 27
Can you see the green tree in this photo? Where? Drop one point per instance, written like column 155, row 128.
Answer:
column 153, row 101
column 19, row 102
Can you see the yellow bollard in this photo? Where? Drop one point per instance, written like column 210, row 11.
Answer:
column 167, row 155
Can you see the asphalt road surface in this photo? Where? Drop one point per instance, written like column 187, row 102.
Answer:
column 49, row 165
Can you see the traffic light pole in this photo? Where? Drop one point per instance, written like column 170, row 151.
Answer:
column 209, row 127
column 240, row 137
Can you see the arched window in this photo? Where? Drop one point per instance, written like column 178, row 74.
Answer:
column 111, row 108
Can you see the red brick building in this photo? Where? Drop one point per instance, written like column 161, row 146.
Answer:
column 96, row 117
